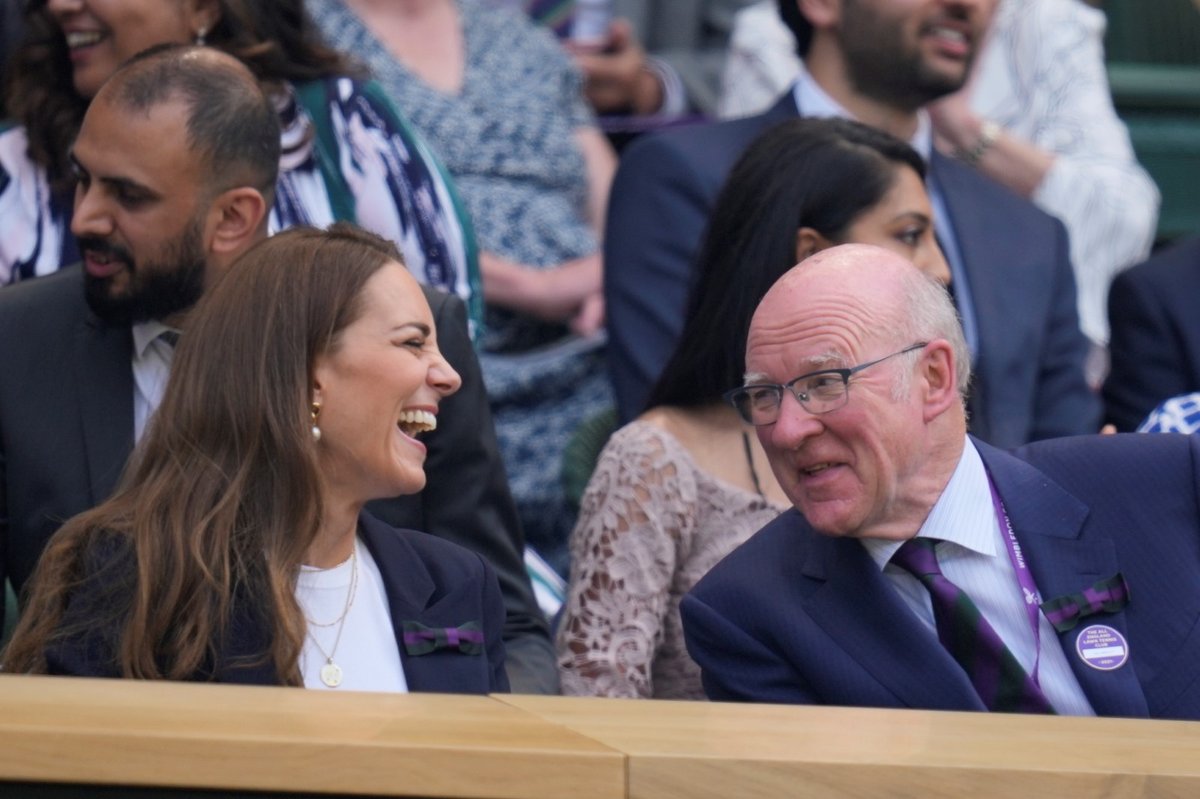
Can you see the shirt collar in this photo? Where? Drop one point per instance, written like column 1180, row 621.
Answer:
column 964, row 514
column 146, row 333
column 813, row 101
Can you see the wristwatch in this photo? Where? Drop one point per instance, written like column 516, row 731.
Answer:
column 989, row 131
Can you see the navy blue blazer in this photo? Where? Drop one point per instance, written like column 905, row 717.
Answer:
column 1029, row 380
column 426, row 579
column 1155, row 340
column 793, row 616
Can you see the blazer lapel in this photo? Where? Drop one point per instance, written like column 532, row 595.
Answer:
column 408, row 586
column 104, row 386
column 1048, row 522
column 858, row 608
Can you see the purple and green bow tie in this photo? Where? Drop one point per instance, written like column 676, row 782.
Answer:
column 421, row 640
column 1108, row 595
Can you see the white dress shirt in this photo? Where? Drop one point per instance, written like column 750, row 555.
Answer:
column 152, row 357
column 973, row 556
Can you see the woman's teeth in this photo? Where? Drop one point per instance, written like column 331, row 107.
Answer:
column 413, row 423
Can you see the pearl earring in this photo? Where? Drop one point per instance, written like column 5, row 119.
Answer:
column 200, row 34
column 315, row 412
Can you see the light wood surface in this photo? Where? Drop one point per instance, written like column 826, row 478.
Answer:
column 694, row 749
column 113, row 732
column 123, row 732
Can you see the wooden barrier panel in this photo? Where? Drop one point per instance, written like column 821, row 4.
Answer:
column 179, row 735
column 685, row 750
column 193, row 738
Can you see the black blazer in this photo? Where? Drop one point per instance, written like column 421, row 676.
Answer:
column 66, row 431
column 1155, row 340
column 427, row 580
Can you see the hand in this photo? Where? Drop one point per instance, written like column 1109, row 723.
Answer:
column 955, row 125
column 616, row 78
column 559, row 294
column 589, row 320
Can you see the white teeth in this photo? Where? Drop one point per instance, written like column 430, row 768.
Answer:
column 82, row 38
column 950, row 33
column 415, row 422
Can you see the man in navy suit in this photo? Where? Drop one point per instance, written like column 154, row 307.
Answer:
column 1081, row 554
column 83, row 366
column 1155, row 344
column 880, row 62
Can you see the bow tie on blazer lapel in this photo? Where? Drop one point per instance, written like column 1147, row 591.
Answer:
column 1108, row 595
column 421, row 640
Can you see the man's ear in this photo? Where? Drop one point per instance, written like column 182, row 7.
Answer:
column 821, row 13
column 809, row 241
column 234, row 221
column 939, row 378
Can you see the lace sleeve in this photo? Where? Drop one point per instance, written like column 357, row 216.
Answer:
column 638, row 508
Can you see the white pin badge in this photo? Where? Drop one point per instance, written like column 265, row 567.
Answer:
column 1102, row 647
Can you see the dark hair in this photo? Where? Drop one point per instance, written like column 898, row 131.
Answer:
column 222, row 498
column 231, row 122
column 819, row 173
column 798, row 24
column 276, row 39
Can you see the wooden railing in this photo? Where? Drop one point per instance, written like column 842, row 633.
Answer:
column 66, row 737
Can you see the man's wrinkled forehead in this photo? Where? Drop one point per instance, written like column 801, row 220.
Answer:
column 804, row 363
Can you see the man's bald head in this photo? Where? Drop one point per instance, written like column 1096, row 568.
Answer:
column 231, row 123
column 875, row 291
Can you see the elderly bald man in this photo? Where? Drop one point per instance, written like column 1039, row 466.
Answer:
column 920, row 567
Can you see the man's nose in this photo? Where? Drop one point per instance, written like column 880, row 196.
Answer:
column 795, row 424
column 91, row 217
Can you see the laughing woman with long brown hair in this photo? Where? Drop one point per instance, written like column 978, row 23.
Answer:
column 236, row 548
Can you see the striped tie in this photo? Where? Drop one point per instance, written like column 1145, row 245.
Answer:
column 997, row 676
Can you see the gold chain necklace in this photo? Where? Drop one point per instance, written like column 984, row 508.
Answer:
column 331, row 673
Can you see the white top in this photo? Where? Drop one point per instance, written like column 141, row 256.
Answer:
column 368, row 653
column 975, row 558
column 152, row 358
column 1041, row 75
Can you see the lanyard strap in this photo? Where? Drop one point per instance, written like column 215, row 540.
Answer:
column 1029, row 591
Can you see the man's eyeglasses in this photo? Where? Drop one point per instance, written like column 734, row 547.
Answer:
column 817, row 392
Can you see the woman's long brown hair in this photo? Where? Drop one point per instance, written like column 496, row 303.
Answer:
column 222, row 498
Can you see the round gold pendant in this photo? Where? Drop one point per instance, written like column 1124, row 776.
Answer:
column 331, row 674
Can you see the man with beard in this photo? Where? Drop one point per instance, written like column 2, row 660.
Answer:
column 176, row 163
column 880, row 62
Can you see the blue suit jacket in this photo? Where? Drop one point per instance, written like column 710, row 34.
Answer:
column 427, row 580
column 1155, row 342
column 1029, row 379
column 794, row 616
